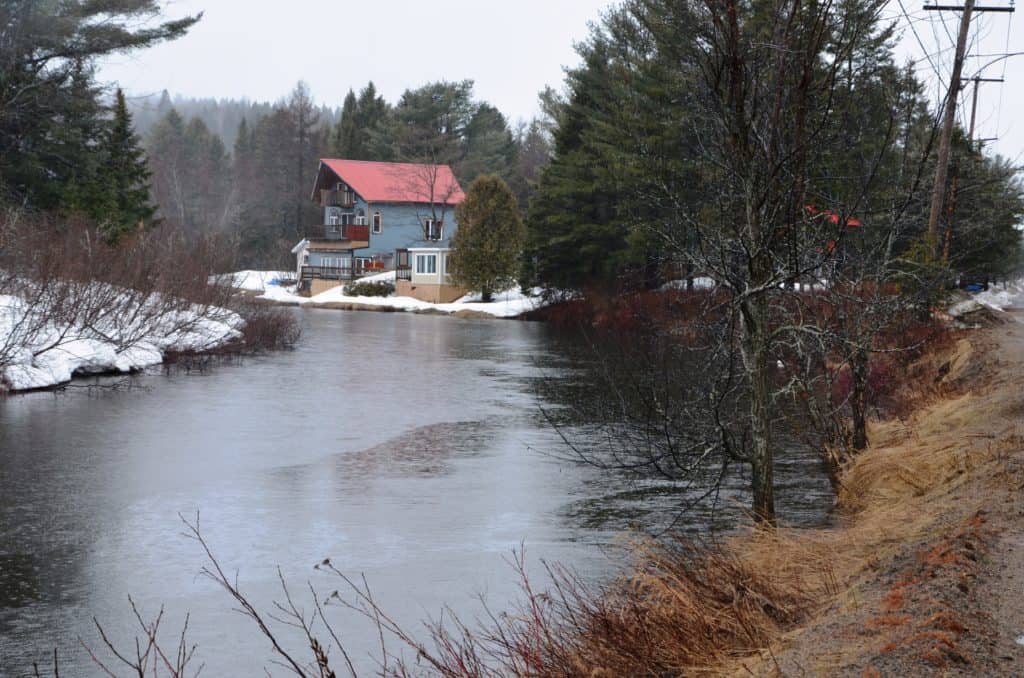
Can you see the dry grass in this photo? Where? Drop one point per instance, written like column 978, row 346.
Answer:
column 687, row 611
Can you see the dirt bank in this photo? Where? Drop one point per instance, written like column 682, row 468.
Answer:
column 927, row 567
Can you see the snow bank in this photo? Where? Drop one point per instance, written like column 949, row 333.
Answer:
column 50, row 354
column 508, row 304
column 252, row 281
column 999, row 298
column 699, row 283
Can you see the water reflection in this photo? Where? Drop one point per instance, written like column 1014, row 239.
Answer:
column 409, row 448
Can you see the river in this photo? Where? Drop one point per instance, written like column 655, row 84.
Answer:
column 408, row 448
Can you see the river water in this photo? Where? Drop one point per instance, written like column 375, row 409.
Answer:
column 407, row 448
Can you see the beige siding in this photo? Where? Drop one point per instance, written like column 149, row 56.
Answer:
column 319, row 286
column 433, row 292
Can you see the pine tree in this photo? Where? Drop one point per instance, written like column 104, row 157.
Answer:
column 125, row 174
column 487, row 246
column 344, row 141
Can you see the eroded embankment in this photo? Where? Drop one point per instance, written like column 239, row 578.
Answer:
column 924, row 575
column 921, row 575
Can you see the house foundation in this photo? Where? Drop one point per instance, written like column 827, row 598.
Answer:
column 430, row 293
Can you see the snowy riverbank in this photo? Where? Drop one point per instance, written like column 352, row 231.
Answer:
column 38, row 350
column 507, row 304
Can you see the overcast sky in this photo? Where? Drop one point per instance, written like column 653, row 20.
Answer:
column 512, row 50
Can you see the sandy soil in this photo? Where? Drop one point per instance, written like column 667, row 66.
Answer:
column 936, row 585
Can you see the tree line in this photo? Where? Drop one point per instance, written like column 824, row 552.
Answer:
column 781, row 155
column 70, row 146
column 259, row 188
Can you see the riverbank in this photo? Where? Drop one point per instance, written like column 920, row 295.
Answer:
column 265, row 286
column 927, row 565
column 919, row 574
column 42, row 346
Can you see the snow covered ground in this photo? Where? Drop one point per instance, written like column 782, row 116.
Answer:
column 1000, row 298
column 508, row 304
column 36, row 353
column 253, row 281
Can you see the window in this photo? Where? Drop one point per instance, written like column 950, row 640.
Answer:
column 432, row 229
column 360, row 220
column 378, row 222
column 346, row 219
column 426, row 264
column 333, row 219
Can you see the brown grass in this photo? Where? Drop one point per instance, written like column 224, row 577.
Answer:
column 689, row 610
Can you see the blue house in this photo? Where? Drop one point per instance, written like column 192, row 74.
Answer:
column 378, row 217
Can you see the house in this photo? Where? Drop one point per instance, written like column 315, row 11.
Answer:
column 377, row 217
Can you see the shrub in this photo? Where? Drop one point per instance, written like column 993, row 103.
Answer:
column 381, row 288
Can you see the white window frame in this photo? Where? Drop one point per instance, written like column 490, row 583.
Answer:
column 334, row 219
column 422, row 268
column 378, row 222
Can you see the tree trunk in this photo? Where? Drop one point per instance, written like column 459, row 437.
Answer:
column 754, row 312
column 485, row 295
column 859, row 398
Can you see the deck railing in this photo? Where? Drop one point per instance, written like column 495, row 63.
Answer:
column 328, row 273
column 358, row 269
column 357, row 232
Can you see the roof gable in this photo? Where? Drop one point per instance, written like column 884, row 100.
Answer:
column 398, row 182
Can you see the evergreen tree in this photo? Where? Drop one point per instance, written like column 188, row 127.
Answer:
column 487, row 246
column 344, row 141
column 49, row 51
column 371, row 112
column 359, row 118
column 126, row 174
column 489, row 146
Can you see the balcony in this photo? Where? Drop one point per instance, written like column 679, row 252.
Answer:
column 359, row 268
column 328, row 273
column 329, row 198
column 339, row 232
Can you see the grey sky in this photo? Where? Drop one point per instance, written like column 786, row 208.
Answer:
column 261, row 49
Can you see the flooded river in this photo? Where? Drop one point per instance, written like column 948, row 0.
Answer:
column 407, row 448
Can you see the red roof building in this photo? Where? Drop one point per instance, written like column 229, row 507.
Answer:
column 391, row 182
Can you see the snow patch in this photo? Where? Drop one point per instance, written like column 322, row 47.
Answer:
column 699, row 283
column 507, row 304
column 1002, row 298
column 252, row 281
column 54, row 354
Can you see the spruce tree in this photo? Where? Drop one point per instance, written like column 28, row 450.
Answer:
column 125, row 174
column 487, row 246
column 344, row 142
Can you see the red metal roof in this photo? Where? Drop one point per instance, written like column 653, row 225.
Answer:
column 398, row 182
column 833, row 217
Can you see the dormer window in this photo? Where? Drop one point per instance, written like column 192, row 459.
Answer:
column 433, row 229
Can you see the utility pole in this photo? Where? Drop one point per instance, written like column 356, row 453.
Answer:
column 949, row 115
column 974, row 103
column 948, row 120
